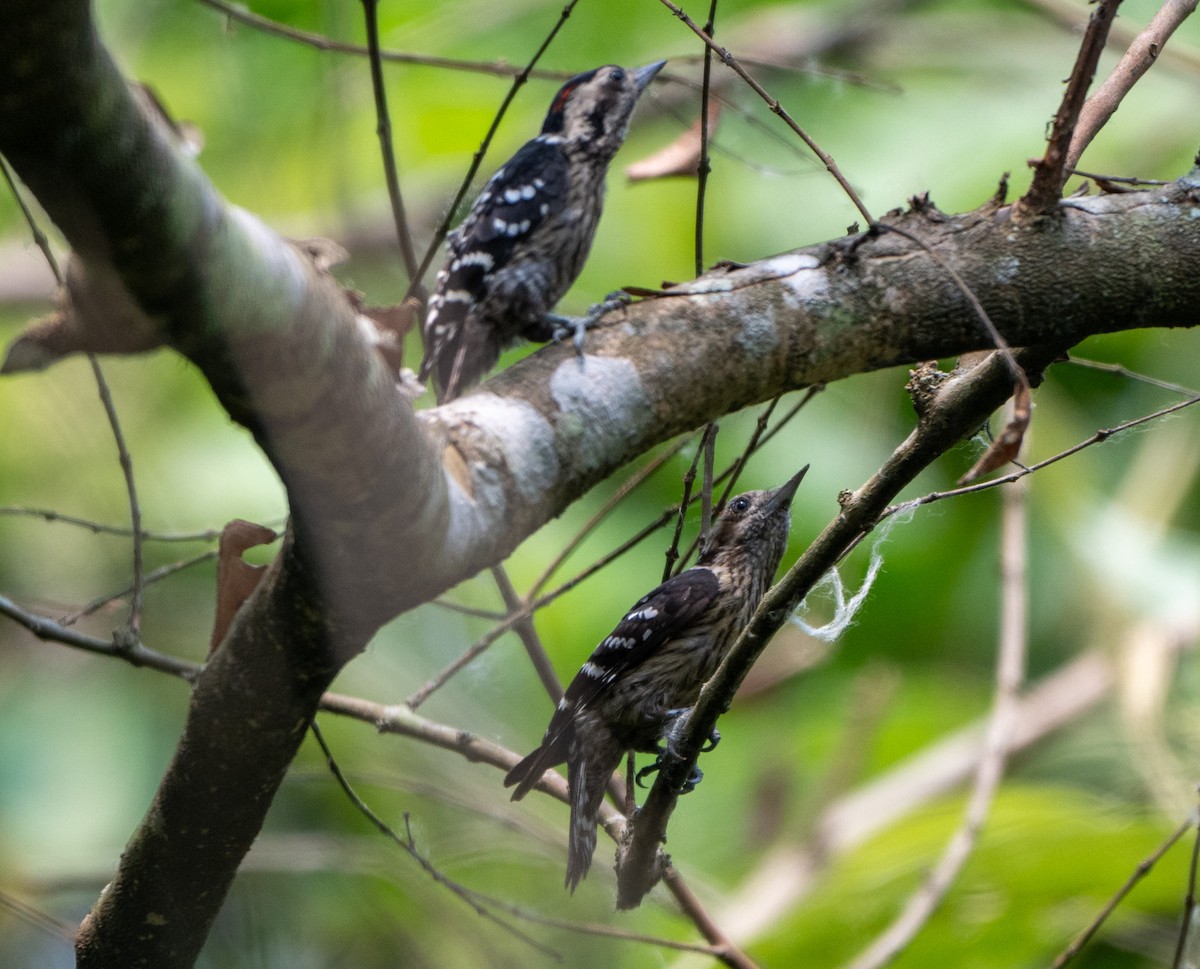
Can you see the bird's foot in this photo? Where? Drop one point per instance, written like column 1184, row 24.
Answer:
column 667, row 751
column 558, row 328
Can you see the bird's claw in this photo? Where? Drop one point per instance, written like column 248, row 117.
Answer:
column 576, row 327
column 676, row 720
column 689, row 784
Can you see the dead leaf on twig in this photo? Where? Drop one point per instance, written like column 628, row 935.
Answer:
column 680, row 158
column 236, row 578
column 1007, row 444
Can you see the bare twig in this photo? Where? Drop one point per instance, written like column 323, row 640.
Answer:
column 131, row 651
column 384, row 130
column 689, row 478
column 1137, row 60
column 408, row 843
column 1186, row 927
column 706, row 489
column 154, row 575
column 110, row 411
column 703, row 167
column 35, row 230
column 1049, row 174
column 623, row 490
column 1072, row 16
column 1010, row 673
column 493, row 615
column 726, row 951
column 322, row 43
column 524, row 628
column 98, row 528
column 1099, row 437
column 1122, row 371
column 773, row 103
column 55, row 928
column 135, row 511
column 1143, row 869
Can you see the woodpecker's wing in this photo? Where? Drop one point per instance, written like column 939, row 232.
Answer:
column 652, row 621
column 656, row 618
column 529, row 189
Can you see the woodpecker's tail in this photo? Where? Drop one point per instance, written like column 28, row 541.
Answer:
column 587, row 779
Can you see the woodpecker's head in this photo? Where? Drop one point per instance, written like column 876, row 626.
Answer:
column 592, row 110
column 755, row 523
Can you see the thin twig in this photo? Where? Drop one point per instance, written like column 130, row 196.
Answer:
column 1099, row 437
column 588, row 928
column 1010, row 674
column 326, row 44
column 132, row 652
column 727, row 952
column 384, row 129
column 493, row 615
column 35, row 229
column 1143, row 869
column 451, row 213
column 706, row 487
column 524, row 628
column 1122, row 371
column 623, row 490
column 689, row 479
column 98, row 528
column 1189, row 905
column 110, row 411
column 154, row 575
column 1120, row 179
column 773, row 103
column 408, row 843
column 45, row 922
column 703, row 167
column 135, row 511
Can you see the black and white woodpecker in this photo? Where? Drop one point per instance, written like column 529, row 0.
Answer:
column 525, row 240
column 646, row 675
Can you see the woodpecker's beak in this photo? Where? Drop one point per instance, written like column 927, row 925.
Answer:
column 643, row 75
column 781, row 497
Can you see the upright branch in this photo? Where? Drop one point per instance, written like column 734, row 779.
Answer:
column 735, row 65
column 1050, row 174
column 383, row 128
column 1141, row 55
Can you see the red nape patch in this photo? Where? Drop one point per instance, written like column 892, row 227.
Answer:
column 563, row 95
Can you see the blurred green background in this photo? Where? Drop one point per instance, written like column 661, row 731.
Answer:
column 942, row 97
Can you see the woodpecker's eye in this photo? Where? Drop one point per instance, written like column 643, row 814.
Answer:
column 740, row 503
column 617, row 76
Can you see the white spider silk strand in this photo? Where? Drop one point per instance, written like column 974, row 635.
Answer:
column 847, row 609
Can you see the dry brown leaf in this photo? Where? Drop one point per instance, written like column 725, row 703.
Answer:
column 680, row 158
column 236, row 578
column 1007, row 444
